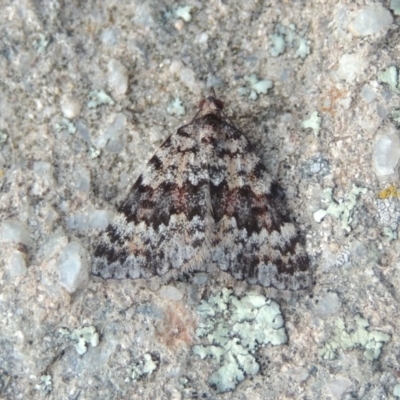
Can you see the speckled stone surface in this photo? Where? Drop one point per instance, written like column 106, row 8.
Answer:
column 88, row 90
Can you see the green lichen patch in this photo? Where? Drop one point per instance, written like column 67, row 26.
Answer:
column 314, row 122
column 82, row 338
column 3, row 138
column 255, row 86
column 390, row 76
column 362, row 337
column 286, row 36
column 94, row 152
column 67, row 125
column 40, row 43
column 395, row 6
column 176, row 107
column 184, row 13
column 144, row 366
column 234, row 328
column 45, row 384
column 342, row 209
column 98, row 98
column 394, row 115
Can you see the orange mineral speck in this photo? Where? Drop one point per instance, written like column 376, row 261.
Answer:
column 333, row 95
column 388, row 192
column 177, row 326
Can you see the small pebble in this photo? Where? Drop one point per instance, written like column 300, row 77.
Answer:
column 171, row 293
column 386, row 154
column 70, row 106
column 12, row 230
column 73, row 267
column 370, row 20
column 17, row 265
column 117, row 77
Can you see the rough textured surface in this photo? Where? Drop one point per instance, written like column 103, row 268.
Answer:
column 85, row 88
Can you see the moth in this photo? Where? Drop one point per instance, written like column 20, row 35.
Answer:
column 204, row 199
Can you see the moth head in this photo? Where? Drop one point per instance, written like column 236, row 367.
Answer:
column 211, row 103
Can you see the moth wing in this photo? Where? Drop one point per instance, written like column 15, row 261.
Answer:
column 254, row 241
column 162, row 228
